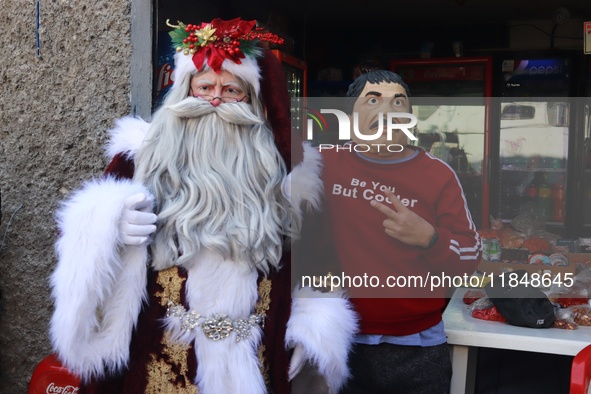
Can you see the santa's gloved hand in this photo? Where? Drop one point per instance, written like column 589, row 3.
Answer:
column 297, row 362
column 137, row 220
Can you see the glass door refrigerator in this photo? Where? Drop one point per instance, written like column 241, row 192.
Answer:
column 451, row 99
column 584, row 165
column 536, row 179
column 296, row 75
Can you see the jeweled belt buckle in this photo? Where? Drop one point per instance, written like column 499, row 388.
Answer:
column 217, row 327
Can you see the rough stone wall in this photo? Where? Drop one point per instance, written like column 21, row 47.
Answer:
column 54, row 112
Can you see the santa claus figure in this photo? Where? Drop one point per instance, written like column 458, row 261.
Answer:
column 173, row 271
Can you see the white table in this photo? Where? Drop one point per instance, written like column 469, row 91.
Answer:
column 466, row 334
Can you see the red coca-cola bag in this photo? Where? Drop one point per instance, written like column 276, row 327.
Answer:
column 50, row 376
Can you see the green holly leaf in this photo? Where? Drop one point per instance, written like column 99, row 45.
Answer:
column 178, row 35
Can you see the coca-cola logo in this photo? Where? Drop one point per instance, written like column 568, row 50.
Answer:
column 53, row 388
column 164, row 77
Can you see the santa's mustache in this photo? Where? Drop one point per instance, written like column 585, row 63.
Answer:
column 193, row 107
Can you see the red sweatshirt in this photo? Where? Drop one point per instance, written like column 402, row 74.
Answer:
column 430, row 188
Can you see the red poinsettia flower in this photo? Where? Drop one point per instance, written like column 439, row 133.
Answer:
column 234, row 28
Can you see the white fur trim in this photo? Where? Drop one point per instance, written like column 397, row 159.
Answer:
column 248, row 70
column 96, row 275
column 324, row 324
column 126, row 137
column 306, row 185
column 225, row 287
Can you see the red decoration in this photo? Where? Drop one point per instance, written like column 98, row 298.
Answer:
column 219, row 40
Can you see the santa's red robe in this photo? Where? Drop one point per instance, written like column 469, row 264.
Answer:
column 127, row 347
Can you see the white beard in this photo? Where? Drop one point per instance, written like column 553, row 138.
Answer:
column 216, row 174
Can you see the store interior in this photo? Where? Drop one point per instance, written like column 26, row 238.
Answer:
column 492, row 40
column 330, row 39
column 340, row 34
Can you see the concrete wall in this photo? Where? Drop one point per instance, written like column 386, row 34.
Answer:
column 54, row 111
